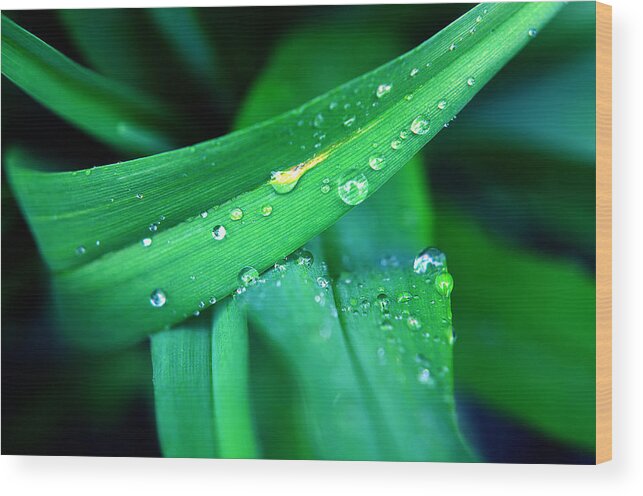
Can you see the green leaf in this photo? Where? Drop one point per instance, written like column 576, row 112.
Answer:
column 103, row 108
column 234, row 172
column 182, row 375
column 526, row 331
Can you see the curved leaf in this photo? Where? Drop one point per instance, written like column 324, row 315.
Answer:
column 103, row 108
column 184, row 261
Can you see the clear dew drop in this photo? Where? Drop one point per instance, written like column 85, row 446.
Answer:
column 479, row 19
column 404, row 134
column 408, row 97
column 212, row 300
column 414, row 72
column 202, row 304
column 452, row 47
column 424, row 376
column 349, row 121
column 248, row 276
column 219, row 232
column 204, row 214
column 81, row 250
column 533, row 32
column 395, row 144
column 266, row 210
column 376, row 163
column 146, row 242
column 236, row 214
column 318, row 120
column 471, row 81
column 413, row 323
column 442, row 104
column 404, row 297
column 139, row 196
column 383, row 89
column 444, row 284
column 304, row 258
column 325, row 188
column 158, row 298
column 420, row 125
column 353, row 187
column 322, row 282
column 429, row 260
column 153, row 227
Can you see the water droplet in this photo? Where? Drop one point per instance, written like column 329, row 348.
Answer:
column 471, row 81
column 146, row 242
column 395, row 144
column 383, row 301
column 420, row 125
column 322, row 282
column 332, row 105
column 376, row 163
column 383, row 89
column 318, row 120
column 81, row 250
column 424, row 376
column 212, row 300
column 158, row 298
column 248, row 276
column 452, row 47
column 353, row 187
column 453, row 337
column 386, row 325
column 533, row 32
column 429, row 260
column 444, row 284
column 479, row 19
column 413, row 323
column 404, row 297
column 236, row 214
column 349, row 121
column 404, row 134
column 408, row 97
column 266, row 210
column 139, row 196
column 414, row 72
column 442, row 104
column 204, row 214
column 325, row 188
column 202, row 304
column 153, row 227
column 304, row 257
column 219, row 232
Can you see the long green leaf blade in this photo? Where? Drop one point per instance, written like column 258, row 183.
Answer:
column 103, row 108
column 125, row 279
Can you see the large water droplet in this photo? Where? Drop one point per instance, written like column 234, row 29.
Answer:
column 248, row 276
column 219, row 232
column 383, row 89
column 429, row 260
column 444, row 284
column 304, row 257
column 353, row 187
column 420, row 125
column 158, row 298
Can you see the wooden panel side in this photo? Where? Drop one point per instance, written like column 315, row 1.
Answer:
column 603, row 232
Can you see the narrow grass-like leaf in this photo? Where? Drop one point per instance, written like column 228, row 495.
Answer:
column 103, row 108
column 182, row 365
column 176, row 186
column 232, row 414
